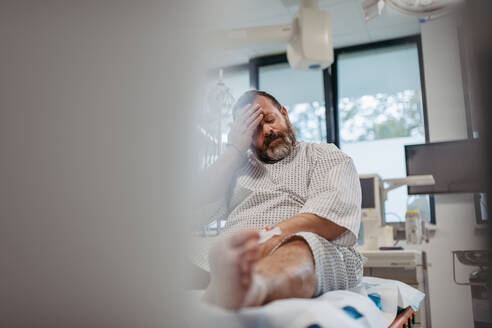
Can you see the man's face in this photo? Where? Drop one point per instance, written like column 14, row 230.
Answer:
column 274, row 138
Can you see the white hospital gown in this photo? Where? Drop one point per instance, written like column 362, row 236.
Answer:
column 314, row 178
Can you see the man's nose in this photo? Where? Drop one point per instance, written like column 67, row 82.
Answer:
column 267, row 130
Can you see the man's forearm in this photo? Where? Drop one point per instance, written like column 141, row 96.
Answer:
column 309, row 222
column 304, row 222
column 214, row 182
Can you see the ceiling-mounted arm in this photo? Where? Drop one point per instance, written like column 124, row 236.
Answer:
column 313, row 4
column 307, row 38
column 245, row 37
column 269, row 34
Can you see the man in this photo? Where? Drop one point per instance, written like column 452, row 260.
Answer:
column 266, row 178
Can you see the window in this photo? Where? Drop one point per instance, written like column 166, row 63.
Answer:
column 238, row 83
column 380, row 110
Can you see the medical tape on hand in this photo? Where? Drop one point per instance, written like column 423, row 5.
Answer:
column 267, row 234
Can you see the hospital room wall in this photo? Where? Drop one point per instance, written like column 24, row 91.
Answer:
column 95, row 101
column 455, row 213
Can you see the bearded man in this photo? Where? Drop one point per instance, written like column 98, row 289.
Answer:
column 265, row 178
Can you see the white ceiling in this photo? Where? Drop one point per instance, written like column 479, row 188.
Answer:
column 348, row 23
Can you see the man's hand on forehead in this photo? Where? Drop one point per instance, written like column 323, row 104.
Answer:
column 244, row 126
column 262, row 110
column 247, row 111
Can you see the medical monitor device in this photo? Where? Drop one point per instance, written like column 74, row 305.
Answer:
column 372, row 197
column 457, row 166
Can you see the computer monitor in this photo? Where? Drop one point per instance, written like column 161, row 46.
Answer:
column 368, row 193
column 372, row 198
column 457, row 166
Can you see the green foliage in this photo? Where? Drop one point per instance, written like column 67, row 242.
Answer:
column 308, row 120
column 381, row 116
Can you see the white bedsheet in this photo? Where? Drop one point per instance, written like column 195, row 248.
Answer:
column 324, row 311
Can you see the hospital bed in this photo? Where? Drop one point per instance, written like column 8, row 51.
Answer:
column 404, row 319
column 374, row 303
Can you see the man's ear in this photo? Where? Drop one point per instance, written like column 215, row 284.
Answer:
column 283, row 111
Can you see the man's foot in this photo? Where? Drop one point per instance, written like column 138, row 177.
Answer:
column 233, row 284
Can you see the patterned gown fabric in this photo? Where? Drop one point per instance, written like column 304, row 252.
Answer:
column 314, row 178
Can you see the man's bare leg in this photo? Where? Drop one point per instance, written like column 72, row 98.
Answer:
column 238, row 279
column 288, row 271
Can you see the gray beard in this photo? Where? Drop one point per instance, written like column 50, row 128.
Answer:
column 281, row 149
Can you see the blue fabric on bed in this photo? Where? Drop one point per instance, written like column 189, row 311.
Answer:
column 376, row 298
column 352, row 312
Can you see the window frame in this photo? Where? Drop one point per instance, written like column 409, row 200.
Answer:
column 415, row 39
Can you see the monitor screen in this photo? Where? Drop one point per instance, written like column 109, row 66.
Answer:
column 457, row 166
column 368, row 197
